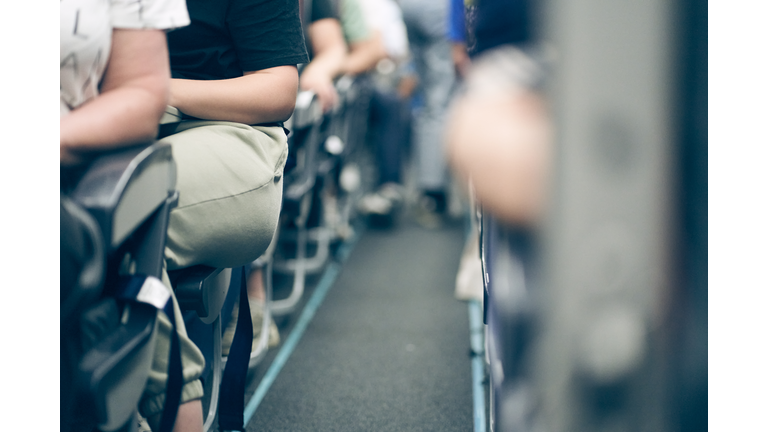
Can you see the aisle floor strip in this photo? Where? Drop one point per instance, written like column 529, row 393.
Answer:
column 476, row 342
column 325, row 283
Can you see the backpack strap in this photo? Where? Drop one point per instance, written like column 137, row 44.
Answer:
column 150, row 290
column 232, row 396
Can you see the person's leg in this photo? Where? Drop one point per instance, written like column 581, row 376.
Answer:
column 256, row 303
column 437, row 83
column 193, row 362
column 230, row 182
column 229, row 178
column 386, row 113
column 189, row 418
column 387, row 132
column 426, row 22
column 256, row 285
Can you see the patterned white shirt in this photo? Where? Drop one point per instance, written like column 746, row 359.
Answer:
column 86, row 37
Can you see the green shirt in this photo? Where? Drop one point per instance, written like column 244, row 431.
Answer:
column 353, row 22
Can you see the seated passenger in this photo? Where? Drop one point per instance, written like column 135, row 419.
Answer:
column 508, row 162
column 328, row 51
column 235, row 80
column 113, row 75
column 381, row 52
column 427, row 24
column 366, row 44
column 114, row 85
column 457, row 35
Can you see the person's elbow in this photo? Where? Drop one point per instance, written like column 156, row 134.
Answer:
column 152, row 107
column 144, row 101
column 287, row 103
column 138, row 80
column 289, row 89
column 277, row 88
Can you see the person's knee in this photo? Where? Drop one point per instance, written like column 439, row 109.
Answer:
column 225, row 233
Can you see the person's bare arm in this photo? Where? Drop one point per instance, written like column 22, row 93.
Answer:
column 461, row 61
column 263, row 96
column 134, row 94
column 330, row 51
column 364, row 55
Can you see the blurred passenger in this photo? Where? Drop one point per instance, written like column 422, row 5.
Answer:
column 506, row 160
column 469, row 278
column 114, row 85
column 366, row 45
column 235, row 80
column 378, row 48
column 426, row 21
column 498, row 23
column 327, row 50
column 385, row 18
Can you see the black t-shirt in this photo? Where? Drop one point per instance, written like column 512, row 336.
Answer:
column 229, row 37
column 500, row 22
column 322, row 9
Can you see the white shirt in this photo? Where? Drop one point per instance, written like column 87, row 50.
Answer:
column 86, row 38
column 386, row 17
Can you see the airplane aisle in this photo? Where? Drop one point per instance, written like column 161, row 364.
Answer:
column 387, row 349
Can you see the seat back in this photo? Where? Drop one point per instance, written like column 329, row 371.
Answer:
column 510, row 296
column 306, row 123
column 81, row 282
column 128, row 194
column 113, row 372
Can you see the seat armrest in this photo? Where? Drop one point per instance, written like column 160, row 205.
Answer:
column 307, row 110
column 202, row 289
column 308, row 117
column 121, row 189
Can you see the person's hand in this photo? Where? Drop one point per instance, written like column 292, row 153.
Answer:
column 461, row 61
column 323, row 88
column 407, row 86
column 67, row 158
